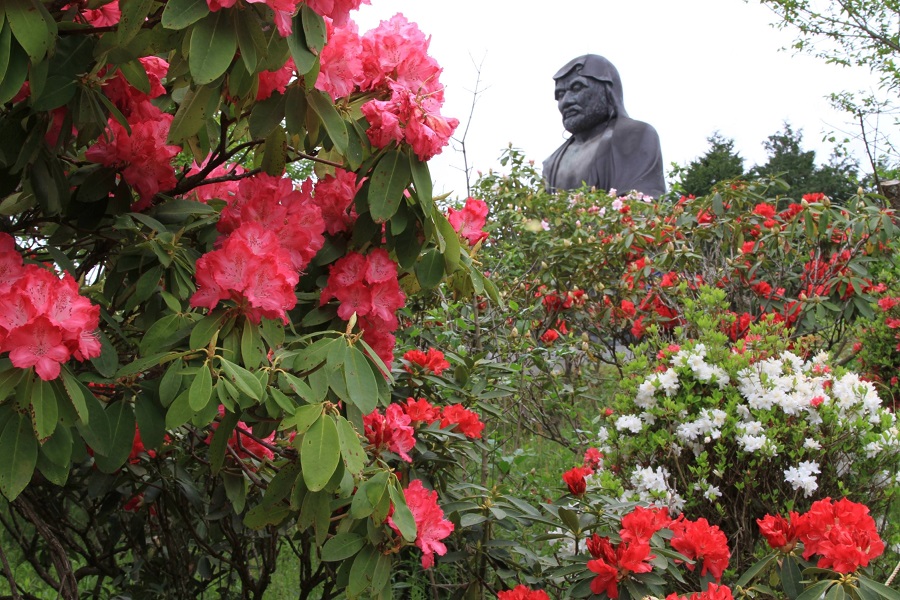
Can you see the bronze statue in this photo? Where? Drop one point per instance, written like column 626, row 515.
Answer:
column 607, row 150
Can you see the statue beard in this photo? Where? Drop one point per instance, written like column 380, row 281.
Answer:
column 586, row 120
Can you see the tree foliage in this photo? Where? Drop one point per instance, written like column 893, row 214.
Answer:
column 720, row 163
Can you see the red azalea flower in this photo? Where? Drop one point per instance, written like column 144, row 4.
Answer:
column 574, row 478
column 520, row 592
column 550, row 336
column 465, row 421
column 842, row 533
column 390, row 431
column 779, row 532
column 421, row 411
column 593, row 458
column 640, row 524
column 698, row 540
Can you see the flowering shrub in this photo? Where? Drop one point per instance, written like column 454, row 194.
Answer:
column 194, row 334
column 707, row 422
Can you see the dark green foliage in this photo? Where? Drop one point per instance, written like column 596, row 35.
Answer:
column 720, row 163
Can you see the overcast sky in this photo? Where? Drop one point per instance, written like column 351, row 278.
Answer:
column 688, row 67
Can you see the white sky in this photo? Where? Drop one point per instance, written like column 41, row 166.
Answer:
column 688, row 68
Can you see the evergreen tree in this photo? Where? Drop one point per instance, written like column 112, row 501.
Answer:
column 720, row 163
column 792, row 164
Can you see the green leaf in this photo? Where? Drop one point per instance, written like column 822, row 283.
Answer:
column 213, row 45
column 402, row 517
column 180, row 411
column 192, row 114
column 133, row 15
column 386, row 187
column 121, row 437
column 790, row 577
column 342, row 546
column 243, row 379
column 313, row 29
column 263, row 515
column 251, row 41
column 151, row 421
column 143, row 364
column 302, row 419
column 32, row 26
column 19, row 450
column 430, row 269
column 200, row 391
column 304, row 60
column 58, row 448
column 164, row 333
column 16, row 68
column 206, row 328
column 266, row 116
column 220, row 440
column 360, row 380
column 10, row 378
column 252, row 349
column 422, row 180
column 816, row 590
column 320, row 453
column 44, row 410
column 275, row 153
column 882, row 590
column 451, row 241
column 282, row 400
column 750, row 573
column 178, row 14
column 351, row 448
column 362, row 572
column 335, row 126
column 95, row 429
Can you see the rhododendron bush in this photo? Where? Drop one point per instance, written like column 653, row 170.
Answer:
column 198, row 352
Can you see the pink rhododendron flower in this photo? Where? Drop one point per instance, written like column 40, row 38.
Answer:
column 341, row 59
column 104, row 16
column 469, row 222
column 713, row 592
column 143, row 156
column 290, row 214
column 334, row 195
column 368, row 287
column 779, row 532
column 431, row 526
column 252, row 269
column 614, row 564
column 275, row 81
column 336, row 10
column 44, row 321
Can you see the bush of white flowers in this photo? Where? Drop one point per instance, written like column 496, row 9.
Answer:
column 733, row 431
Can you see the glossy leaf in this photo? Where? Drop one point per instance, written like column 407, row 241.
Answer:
column 178, row 14
column 32, row 26
column 387, row 185
column 342, row 546
column 19, row 450
column 213, row 45
column 243, row 379
column 44, row 410
column 334, row 124
column 351, row 448
column 320, row 453
column 120, row 417
column 200, row 391
column 360, row 380
column 402, row 517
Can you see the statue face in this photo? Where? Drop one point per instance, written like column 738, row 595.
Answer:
column 583, row 102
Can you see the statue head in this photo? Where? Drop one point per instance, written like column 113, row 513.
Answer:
column 588, row 92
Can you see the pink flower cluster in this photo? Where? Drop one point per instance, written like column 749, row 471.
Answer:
column 337, row 10
column 394, row 430
column 391, row 60
column 142, row 155
column 841, row 533
column 44, row 321
column 469, row 222
column 367, row 285
column 271, row 232
column 334, row 195
column 431, row 526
